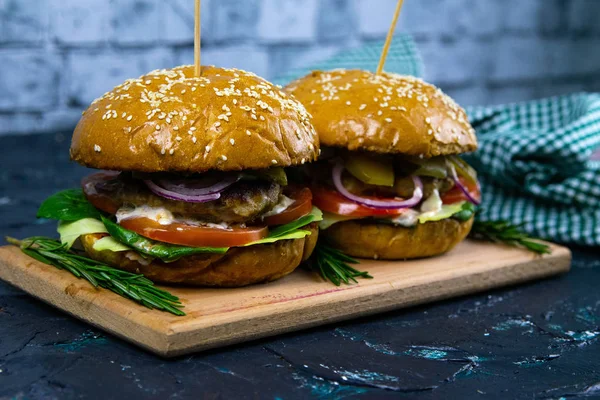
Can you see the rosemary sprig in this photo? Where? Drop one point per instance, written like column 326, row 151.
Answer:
column 507, row 233
column 334, row 266
column 133, row 286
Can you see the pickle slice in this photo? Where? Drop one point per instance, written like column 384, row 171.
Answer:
column 434, row 167
column 370, row 170
column 463, row 169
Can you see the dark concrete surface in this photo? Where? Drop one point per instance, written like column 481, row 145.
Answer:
column 539, row 340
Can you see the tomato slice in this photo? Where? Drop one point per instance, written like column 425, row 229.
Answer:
column 299, row 208
column 455, row 195
column 97, row 187
column 192, row 235
column 333, row 202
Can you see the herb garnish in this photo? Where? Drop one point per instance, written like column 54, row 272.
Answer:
column 333, row 265
column 507, row 233
column 133, row 286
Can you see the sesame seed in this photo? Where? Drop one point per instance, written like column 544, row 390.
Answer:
column 175, row 128
column 194, row 139
column 349, row 103
column 193, row 128
column 178, row 138
column 302, row 161
column 217, row 124
column 362, row 107
column 162, row 151
column 224, row 157
column 428, row 120
column 123, row 115
column 207, row 148
column 232, row 141
column 254, row 116
column 234, row 101
column 388, row 120
column 168, row 120
column 248, row 133
column 171, row 151
column 130, row 118
column 158, row 127
column 262, row 118
column 273, row 162
column 380, row 112
column 97, row 148
column 148, row 82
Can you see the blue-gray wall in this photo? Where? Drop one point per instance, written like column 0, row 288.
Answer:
column 57, row 55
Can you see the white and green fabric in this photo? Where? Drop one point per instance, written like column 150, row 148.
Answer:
column 533, row 158
column 535, row 168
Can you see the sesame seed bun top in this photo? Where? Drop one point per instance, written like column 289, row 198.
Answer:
column 385, row 113
column 169, row 120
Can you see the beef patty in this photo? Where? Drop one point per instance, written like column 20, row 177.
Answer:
column 242, row 202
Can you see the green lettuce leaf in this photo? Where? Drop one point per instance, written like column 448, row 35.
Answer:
column 165, row 252
column 291, row 230
column 109, row 243
column 461, row 211
column 70, row 231
column 68, row 205
column 297, row 234
column 467, row 212
column 330, row 219
column 314, row 216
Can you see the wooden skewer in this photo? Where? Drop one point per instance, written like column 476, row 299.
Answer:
column 197, row 38
column 390, row 35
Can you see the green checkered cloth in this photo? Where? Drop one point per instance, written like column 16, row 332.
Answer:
column 535, row 168
column 533, row 158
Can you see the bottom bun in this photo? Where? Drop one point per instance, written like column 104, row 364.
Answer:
column 390, row 242
column 240, row 266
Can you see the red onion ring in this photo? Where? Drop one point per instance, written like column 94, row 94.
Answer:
column 381, row 204
column 462, row 187
column 196, row 188
column 171, row 195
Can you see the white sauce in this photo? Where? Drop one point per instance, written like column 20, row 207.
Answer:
column 284, row 203
column 431, row 206
column 163, row 217
column 406, row 219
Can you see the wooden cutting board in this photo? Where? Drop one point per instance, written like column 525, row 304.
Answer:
column 219, row 317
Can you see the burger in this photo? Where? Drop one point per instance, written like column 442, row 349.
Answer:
column 194, row 186
column 391, row 182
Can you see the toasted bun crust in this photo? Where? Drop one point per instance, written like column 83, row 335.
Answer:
column 240, row 266
column 385, row 113
column 388, row 242
column 169, row 120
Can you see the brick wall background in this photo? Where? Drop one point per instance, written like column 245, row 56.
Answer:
column 56, row 56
